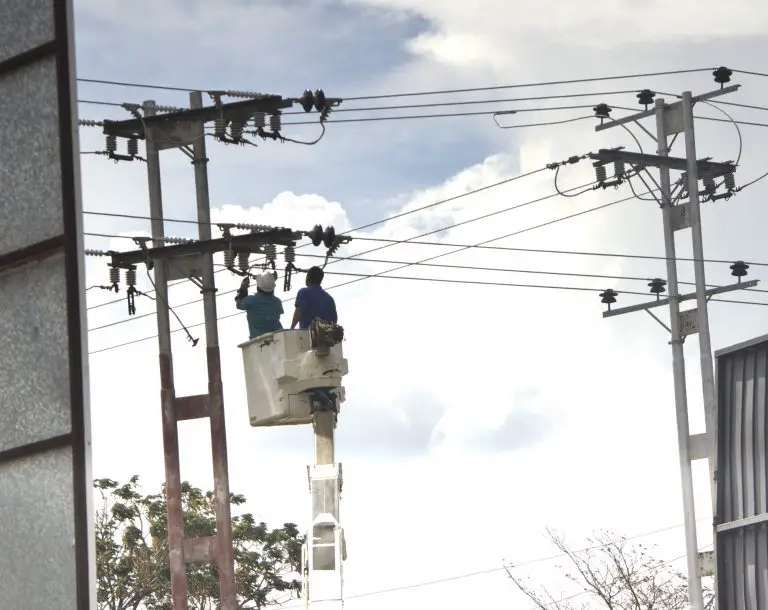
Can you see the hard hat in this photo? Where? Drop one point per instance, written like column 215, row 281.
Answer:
column 266, row 282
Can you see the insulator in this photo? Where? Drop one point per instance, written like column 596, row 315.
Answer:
column 260, row 120
column 274, row 122
column 111, row 143
column 608, row 296
column 290, row 254
column 220, row 127
column 270, row 251
column 90, row 252
column 600, row 173
column 133, row 147
column 242, row 261
column 114, row 275
column 251, row 227
column 602, row 111
column 722, row 75
column 177, row 240
column 729, row 180
column 645, row 97
column 739, row 269
column 90, row 123
column 316, row 235
column 229, row 258
column 709, row 184
column 319, row 100
column 130, row 277
column 618, row 168
column 236, row 130
column 329, row 237
column 307, row 100
column 657, row 286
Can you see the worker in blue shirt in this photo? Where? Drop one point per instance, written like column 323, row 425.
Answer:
column 313, row 302
column 262, row 309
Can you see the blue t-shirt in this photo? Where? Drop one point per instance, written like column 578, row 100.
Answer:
column 263, row 311
column 315, row 303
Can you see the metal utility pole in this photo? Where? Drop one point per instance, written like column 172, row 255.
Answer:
column 671, row 120
column 167, row 390
column 226, row 558
column 185, row 130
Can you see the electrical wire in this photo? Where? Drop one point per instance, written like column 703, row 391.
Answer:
column 423, row 93
column 359, row 228
column 503, row 568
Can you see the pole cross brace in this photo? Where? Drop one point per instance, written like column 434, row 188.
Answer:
column 683, row 297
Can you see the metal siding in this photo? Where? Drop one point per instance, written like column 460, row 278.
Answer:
column 47, row 557
column 742, row 551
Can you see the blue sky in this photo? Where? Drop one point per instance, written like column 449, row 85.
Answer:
column 471, row 404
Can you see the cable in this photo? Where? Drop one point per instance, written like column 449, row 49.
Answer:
column 498, row 569
column 191, row 339
column 421, row 93
column 360, row 228
column 738, row 131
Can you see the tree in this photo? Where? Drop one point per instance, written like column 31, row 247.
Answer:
column 613, row 575
column 132, row 554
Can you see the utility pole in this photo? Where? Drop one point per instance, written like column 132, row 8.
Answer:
column 185, row 130
column 671, row 120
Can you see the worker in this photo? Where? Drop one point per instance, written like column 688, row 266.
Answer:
column 262, row 309
column 313, row 302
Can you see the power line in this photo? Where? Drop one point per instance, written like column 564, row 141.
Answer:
column 497, row 569
column 445, row 254
column 359, row 228
column 572, row 81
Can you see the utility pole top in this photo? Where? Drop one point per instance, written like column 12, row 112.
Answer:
column 610, row 155
column 675, row 108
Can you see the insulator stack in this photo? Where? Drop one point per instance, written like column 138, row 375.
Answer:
column 729, row 180
column 270, row 251
column 260, row 120
column 251, row 227
column 709, row 184
column 600, row 173
column 608, row 297
column 645, row 98
column 133, row 147
column 274, row 122
column 236, row 130
column 219, row 127
column 619, row 168
column 229, row 258
column 242, row 261
column 114, row 275
column 130, row 277
column 657, row 286
column 111, row 143
column 290, row 254
column 177, row 240
column 739, row 269
column 722, row 75
column 91, row 252
column 602, row 111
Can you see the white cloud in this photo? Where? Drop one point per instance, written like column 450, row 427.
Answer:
column 476, row 415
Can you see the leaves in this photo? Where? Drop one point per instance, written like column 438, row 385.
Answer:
column 132, row 554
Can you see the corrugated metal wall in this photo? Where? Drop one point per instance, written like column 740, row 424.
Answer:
column 742, row 490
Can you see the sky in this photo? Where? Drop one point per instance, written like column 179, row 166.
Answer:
column 477, row 415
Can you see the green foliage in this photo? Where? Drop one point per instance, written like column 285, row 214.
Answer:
column 132, row 554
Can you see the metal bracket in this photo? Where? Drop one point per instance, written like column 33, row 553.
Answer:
column 683, row 297
column 184, row 267
column 698, row 447
column 689, row 322
column 707, row 563
column 680, row 216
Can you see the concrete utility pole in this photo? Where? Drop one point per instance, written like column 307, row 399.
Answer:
column 185, row 130
column 671, row 120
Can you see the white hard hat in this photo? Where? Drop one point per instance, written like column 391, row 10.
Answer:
column 266, row 282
